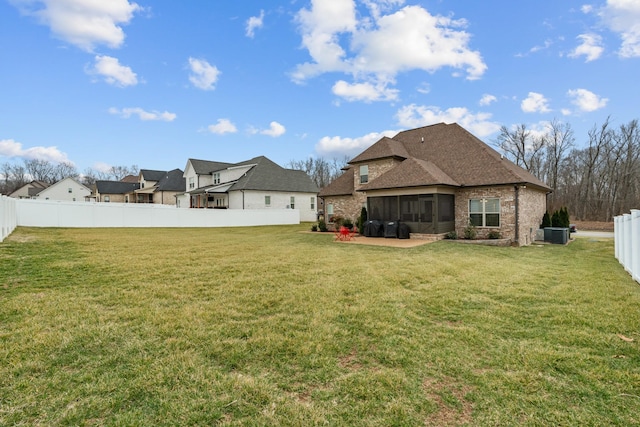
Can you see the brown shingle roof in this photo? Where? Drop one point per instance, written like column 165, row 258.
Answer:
column 384, row 148
column 411, row 173
column 341, row 186
column 463, row 157
column 441, row 154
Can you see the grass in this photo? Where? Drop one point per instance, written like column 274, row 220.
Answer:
column 271, row 326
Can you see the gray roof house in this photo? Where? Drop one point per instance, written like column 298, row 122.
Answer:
column 258, row 183
column 437, row 179
column 29, row 190
column 159, row 186
column 114, row 191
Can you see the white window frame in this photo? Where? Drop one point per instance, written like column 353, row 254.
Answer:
column 364, row 174
column 484, row 210
column 313, row 203
column 216, row 178
column 267, row 201
column 191, row 183
column 330, row 212
column 292, row 203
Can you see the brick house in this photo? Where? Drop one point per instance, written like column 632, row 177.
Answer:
column 437, row 179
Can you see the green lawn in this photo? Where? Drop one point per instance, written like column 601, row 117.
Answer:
column 272, row 326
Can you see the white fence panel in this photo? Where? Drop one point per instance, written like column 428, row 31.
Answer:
column 627, row 242
column 52, row 213
column 8, row 216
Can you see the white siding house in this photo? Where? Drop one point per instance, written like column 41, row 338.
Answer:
column 258, row 183
column 67, row 189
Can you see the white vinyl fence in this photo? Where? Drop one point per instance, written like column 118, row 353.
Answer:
column 8, row 217
column 54, row 213
column 627, row 242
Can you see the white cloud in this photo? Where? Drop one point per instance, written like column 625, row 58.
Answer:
column 414, row 116
column 487, row 99
column 591, row 47
column 586, row 101
column 143, row 115
column 535, row 103
column 83, row 23
column 366, row 92
column 275, row 130
column 102, row 167
column 10, row 148
column 623, row 17
column 253, row 23
column 376, row 48
column 339, row 146
column 112, row 72
column 222, row 126
column 204, row 75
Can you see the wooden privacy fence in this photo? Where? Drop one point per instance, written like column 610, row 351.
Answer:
column 627, row 242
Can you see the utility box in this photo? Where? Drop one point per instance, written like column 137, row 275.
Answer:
column 556, row 235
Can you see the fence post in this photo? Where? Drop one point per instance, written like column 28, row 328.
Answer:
column 617, row 236
column 634, row 236
column 627, row 242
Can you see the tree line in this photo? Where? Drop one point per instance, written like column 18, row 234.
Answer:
column 596, row 182
column 15, row 175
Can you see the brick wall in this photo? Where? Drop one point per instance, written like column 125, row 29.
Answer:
column 531, row 206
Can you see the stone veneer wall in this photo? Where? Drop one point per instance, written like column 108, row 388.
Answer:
column 350, row 206
column 531, row 206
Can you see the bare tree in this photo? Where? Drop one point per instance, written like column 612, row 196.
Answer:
column 522, row 147
column 557, row 141
column 321, row 171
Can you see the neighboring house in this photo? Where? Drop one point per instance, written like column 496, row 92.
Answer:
column 30, row 190
column 150, row 186
column 114, row 191
column 258, row 183
column 66, row 189
column 159, row 186
column 437, row 179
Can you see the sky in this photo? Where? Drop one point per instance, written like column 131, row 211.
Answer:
column 153, row 83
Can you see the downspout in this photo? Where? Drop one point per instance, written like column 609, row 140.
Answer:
column 242, row 199
column 517, row 190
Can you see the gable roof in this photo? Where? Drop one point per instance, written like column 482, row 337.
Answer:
column 341, row 186
column 116, row 187
column 172, row 181
column 386, row 147
column 33, row 188
column 441, row 154
column 269, row 176
column 152, row 175
column 204, row 167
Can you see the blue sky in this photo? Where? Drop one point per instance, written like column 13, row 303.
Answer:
column 154, row 83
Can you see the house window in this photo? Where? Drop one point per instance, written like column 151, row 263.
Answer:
column 313, row 203
column 364, row 174
column 216, row 178
column 267, row 201
column 484, row 212
column 107, row 199
column 142, row 185
column 292, row 205
column 126, row 198
column 70, row 190
column 330, row 212
column 191, row 183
